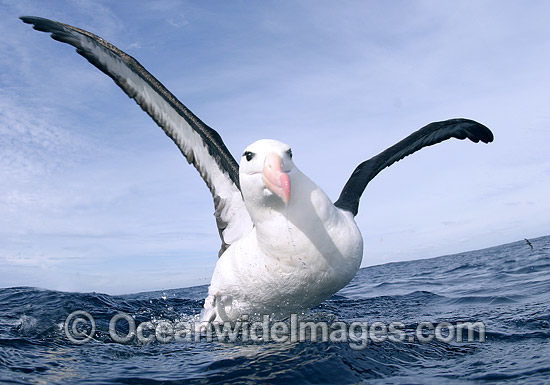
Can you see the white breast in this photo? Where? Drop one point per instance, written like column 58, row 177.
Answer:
column 294, row 258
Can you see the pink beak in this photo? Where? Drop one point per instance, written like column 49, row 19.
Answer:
column 274, row 178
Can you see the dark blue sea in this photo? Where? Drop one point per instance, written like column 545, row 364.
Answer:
column 505, row 288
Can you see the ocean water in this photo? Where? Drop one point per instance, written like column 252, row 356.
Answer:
column 505, row 288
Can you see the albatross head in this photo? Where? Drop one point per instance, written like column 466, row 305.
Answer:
column 265, row 174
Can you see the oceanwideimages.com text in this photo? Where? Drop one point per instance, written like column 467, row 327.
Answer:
column 80, row 327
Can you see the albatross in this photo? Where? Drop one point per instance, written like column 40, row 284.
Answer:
column 285, row 246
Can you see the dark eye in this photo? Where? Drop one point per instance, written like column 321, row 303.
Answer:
column 248, row 155
column 289, row 152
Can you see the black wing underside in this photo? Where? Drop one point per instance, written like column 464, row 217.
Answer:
column 429, row 135
column 201, row 145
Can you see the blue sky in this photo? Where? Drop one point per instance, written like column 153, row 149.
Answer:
column 94, row 197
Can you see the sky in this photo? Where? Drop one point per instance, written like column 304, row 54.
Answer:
column 94, row 197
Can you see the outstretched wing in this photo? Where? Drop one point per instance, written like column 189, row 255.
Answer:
column 428, row 135
column 201, row 145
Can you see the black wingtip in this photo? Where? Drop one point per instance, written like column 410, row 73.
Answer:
column 43, row 25
column 35, row 20
column 479, row 131
column 468, row 129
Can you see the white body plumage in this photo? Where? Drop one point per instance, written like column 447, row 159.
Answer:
column 297, row 254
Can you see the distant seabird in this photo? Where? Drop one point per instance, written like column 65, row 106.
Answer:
column 529, row 243
column 285, row 246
